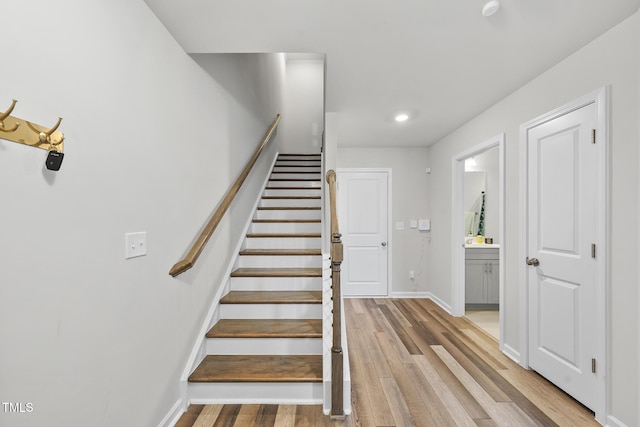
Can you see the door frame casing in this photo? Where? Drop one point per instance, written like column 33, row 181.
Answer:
column 389, row 246
column 457, row 229
column 600, row 98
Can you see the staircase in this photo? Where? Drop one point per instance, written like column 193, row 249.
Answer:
column 267, row 345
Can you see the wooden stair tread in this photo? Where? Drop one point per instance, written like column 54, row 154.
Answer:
column 294, row 172
column 259, row 368
column 291, row 197
column 282, row 235
column 272, row 297
column 286, row 220
column 289, row 208
column 295, row 179
column 297, row 166
column 266, row 328
column 299, row 154
column 293, row 188
column 281, row 252
column 277, row 272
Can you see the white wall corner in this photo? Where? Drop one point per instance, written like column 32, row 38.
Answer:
column 446, row 307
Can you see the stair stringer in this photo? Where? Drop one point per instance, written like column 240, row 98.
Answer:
column 199, row 349
column 327, row 341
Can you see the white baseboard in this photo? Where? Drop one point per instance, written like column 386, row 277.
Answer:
column 173, row 415
column 446, row 307
column 410, row 295
column 510, row 352
column 614, row 422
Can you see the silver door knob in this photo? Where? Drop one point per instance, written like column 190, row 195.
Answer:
column 384, row 243
column 533, row 261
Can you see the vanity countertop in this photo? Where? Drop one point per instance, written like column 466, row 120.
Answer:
column 481, row 246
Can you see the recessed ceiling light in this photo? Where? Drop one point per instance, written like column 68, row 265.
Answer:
column 490, row 7
column 402, row 117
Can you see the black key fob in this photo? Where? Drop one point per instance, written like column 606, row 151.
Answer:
column 54, row 160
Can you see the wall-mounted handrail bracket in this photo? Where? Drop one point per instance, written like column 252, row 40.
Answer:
column 25, row 132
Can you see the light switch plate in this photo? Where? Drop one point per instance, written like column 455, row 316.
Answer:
column 135, row 244
column 399, row 225
column 413, row 223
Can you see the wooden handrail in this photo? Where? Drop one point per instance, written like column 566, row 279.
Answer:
column 197, row 247
column 337, row 359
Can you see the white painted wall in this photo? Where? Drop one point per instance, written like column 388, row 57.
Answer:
column 303, row 118
column 410, row 192
column 612, row 59
column 152, row 143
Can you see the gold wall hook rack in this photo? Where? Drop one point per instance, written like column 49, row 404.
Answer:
column 25, row 132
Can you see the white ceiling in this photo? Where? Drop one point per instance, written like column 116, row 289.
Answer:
column 439, row 60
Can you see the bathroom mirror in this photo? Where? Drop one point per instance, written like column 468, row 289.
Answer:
column 474, row 186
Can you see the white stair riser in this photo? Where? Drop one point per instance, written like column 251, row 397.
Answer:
column 286, row 227
column 288, row 214
column 270, row 311
column 275, row 284
column 298, row 159
column 305, row 203
column 304, row 162
column 257, row 393
column 295, row 176
column 264, row 346
column 297, row 168
column 282, row 261
column 293, row 192
column 283, row 243
column 293, row 183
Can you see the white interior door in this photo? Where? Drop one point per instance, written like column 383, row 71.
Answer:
column 362, row 212
column 562, row 263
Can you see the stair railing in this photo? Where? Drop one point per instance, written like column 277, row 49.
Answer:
column 197, row 247
column 337, row 360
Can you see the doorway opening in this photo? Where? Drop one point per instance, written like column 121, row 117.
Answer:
column 478, row 235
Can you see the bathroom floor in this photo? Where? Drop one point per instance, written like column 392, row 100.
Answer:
column 487, row 320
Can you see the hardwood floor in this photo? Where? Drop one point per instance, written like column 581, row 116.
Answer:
column 414, row 365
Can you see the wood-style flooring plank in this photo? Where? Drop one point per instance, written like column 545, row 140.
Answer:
column 406, row 385
column 189, row 418
column 480, row 394
column 208, row 416
column 247, row 415
column 432, row 403
column 227, row 416
column 424, row 338
column 286, row 416
column 556, row 404
column 398, row 406
column 413, row 364
column 370, row 407
column 266, row 416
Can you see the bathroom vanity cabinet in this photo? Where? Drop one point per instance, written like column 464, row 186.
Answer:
column 482, row 278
